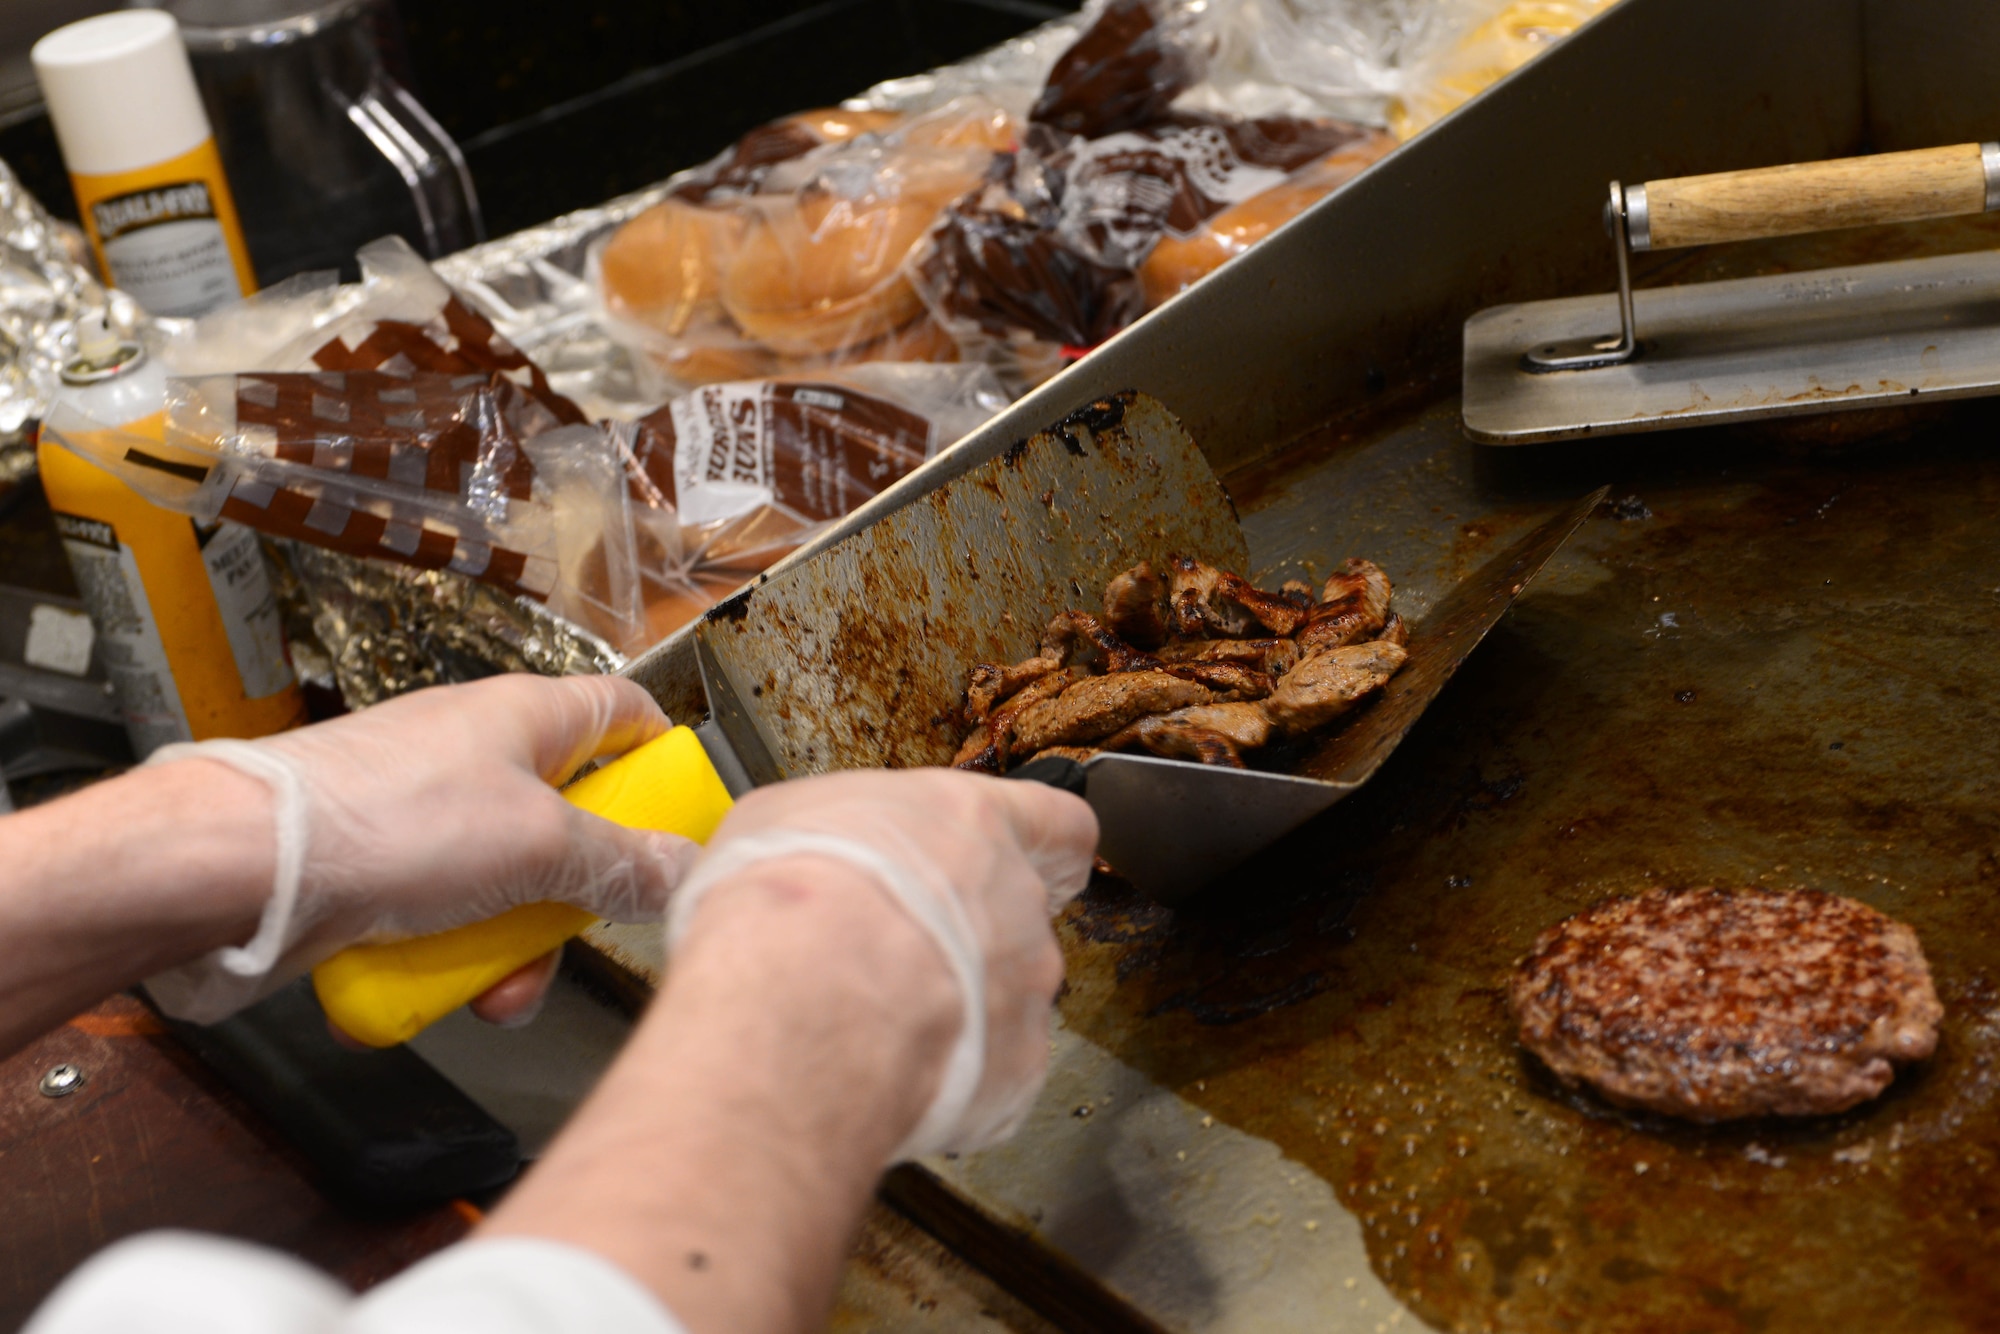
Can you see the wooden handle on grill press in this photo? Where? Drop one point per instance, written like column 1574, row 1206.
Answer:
column 1814, row 197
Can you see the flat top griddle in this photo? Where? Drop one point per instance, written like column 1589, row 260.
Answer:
column 1752, row 668
column 1296, row 1103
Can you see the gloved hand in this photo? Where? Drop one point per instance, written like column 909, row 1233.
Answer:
column 982, row 864
column 428, row 812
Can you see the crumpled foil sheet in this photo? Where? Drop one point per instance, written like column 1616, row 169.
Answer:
column 46, row 285
column 373, row 630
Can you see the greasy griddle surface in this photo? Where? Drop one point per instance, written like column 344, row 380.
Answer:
column 1765, row 669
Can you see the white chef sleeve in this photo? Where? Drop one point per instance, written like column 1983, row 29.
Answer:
column 181, row 1283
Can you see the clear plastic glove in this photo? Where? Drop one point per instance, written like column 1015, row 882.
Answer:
column 429, row 812
column 982, row 864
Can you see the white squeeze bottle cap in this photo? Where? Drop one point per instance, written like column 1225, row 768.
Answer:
column 120, row 92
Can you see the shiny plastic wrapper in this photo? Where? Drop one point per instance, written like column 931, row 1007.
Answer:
column 758, row 467
column 953, row 230
column 389, row 420
column 1477, row 57
column 790, row 251
column 1355, row 60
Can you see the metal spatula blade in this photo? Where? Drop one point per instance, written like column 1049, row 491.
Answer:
column 857, row 658
column 1170, row 826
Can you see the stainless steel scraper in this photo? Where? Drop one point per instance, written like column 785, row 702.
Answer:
column 1824, row 341
column 857, row 658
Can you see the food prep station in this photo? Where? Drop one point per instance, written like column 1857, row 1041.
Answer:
column 1296, row 1101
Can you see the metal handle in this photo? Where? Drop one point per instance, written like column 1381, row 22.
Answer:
column 1773, row 201
column 1813, row 197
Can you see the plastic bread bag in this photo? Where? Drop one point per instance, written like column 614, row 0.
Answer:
column 1125, row 193
column 755, row 468
column 1182, row 255
column 1347, row 58
column 1014, row 291
column 465, row 473
column 798, row 261
column 1481, row 54
column 401, row 318
column 1129, row 66
column 1011, row 74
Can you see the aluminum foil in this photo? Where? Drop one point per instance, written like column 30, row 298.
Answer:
column 46, row 285
column 373, row 630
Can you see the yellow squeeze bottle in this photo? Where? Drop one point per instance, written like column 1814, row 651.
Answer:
column 391, row 991
column 142, row 160
column 187, row 622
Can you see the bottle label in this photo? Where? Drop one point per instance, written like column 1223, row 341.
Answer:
column 165, row 245
column 128, row 638
column 249, row 608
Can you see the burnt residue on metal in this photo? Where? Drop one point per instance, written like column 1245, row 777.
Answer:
column 732, row 608
column 1343, row 996
column 864, row 650
column 1103, row 415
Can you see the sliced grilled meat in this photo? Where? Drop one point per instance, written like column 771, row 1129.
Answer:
column 991, row 744
column 1353, row 605
column 1077, row 753
column 1135, row 606
column 1231, row 679
column 1717, row 1004
column 1395, row 631
column 1276, row 656
column 1080, row 639
column 989, row 682
column 1208, row 733
column 1176, row 739
column 1099, row 705
column 1328, row 684
column 1207, row 602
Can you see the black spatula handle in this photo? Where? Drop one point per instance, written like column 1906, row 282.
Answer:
column 1054, row 771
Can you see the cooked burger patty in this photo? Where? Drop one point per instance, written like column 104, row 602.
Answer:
column 1716, row 1004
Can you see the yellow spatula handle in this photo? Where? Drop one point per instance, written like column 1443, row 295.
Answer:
column 388, row 993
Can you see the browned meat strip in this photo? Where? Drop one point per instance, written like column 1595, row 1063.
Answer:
column 1135, row 606
column 1328, row 684
column 1077, row 753
column 1274, row 611
column 989, row 682
column 1099, row 705
column 1715, row 1004
column 1395, row 630
column 1353, row 605
column 1190, row 733
column 977, row 752
column 1176, row 739
column 992, row 742
column 1230, row 678
column 1205, row 601
column 1077, row 637
column 1276, row 656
